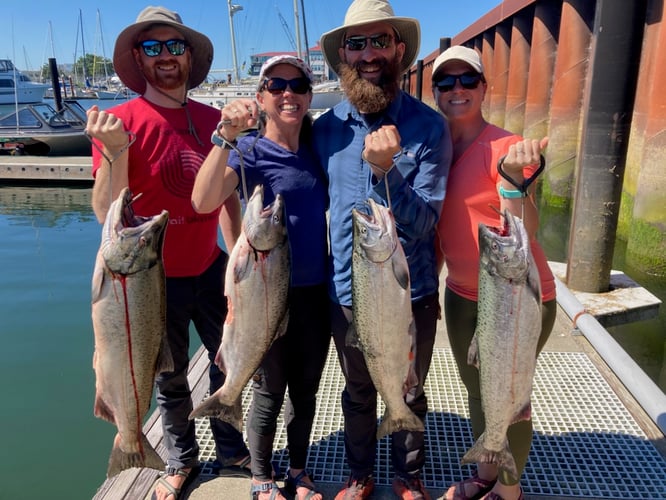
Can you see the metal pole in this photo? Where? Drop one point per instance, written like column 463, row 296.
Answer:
column 608, row 98
column 642, row 388
column 232, row 10
column 297, row 27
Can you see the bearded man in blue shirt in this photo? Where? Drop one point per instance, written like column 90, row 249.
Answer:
column 383, row 144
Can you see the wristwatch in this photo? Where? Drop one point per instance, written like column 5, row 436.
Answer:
column 217, row 139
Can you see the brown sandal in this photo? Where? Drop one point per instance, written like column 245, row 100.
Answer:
column 482, row 485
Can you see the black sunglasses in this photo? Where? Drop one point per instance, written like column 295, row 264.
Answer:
column 359, row 42
column 153, row 48
column 275, row 86
column 468, row 81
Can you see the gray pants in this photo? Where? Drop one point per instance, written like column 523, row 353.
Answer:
column 359, row 397
column 199, row 300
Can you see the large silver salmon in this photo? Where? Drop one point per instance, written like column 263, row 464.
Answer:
column 505, row 341
column 381, row 304
column 256, row 285
column 128, row 315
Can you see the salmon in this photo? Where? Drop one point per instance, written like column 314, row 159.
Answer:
column 383, row 327
column 128, row 316
column 506, row 337
column 256, row 284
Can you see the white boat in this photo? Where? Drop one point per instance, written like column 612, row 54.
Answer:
column 324, row 95
column 220, row 95
column 15, row 87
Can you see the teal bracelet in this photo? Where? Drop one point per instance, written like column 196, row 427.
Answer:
column 511, row 193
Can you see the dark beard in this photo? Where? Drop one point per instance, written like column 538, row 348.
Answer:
column 365, row 96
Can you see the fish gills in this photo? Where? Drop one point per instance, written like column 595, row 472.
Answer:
column 506, row 337
column 128, row 316
column 256, row 285
column 383, row 328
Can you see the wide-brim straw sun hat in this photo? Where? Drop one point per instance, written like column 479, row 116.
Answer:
column 362, row 12
column 125, row 66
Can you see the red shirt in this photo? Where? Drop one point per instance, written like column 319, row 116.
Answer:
column 163, row 163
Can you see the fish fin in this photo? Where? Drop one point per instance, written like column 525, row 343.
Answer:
column 473, row 352
column 525, row 413
column 243, row 264
column 391, row 424
column 533, row 279
column 164, row 357
column 400, row 271
column 145, row 457
column 282, row 327
column 411, row 381
column 103, row 411
column 503, row 458
column 213, row 407
column 98, row 277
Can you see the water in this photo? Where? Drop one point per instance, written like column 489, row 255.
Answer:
column 52, row 443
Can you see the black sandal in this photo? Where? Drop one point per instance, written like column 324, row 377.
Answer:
column 258, row 488
column 173, row 491
column 292, row 483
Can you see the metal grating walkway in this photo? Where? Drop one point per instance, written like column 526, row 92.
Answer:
column 586, row 444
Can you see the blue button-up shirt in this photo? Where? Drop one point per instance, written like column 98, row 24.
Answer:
column 417, row 185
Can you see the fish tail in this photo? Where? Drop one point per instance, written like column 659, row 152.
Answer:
column 213, row 407
column 120, row 460
column 502, row 458
column 406, row 422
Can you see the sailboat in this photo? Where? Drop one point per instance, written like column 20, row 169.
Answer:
column 325, row 95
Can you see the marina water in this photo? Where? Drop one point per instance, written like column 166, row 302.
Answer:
column 52, row 444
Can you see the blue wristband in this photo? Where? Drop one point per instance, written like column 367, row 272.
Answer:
column 511, row 193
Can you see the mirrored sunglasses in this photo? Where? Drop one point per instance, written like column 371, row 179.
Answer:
column 468, row 81
column 300, row 85
column 153, row 48
column 359, row 42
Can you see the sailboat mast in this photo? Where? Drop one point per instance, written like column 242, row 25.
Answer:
column 232, row 10
column 297, row 24
column 83, row 47
column 305, row 34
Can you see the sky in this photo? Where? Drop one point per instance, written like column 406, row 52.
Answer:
column 36, row 30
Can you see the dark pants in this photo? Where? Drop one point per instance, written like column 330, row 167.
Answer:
column 295, row 361
column 359, row 397
column 199, row 300
column 461, row 316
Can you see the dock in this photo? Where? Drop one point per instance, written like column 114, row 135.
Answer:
column 46, row 169
column 592, row 438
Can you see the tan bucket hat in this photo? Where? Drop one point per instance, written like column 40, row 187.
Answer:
column 123, row 60
column 372, row 11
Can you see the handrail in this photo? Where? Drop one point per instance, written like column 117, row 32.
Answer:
column 642, row 388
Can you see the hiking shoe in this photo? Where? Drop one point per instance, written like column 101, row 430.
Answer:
column 410, row 488
column 356, row 489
